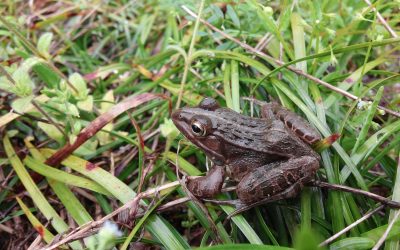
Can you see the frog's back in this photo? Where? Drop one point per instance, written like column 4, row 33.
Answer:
column 259, row 134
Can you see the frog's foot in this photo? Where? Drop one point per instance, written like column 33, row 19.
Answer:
column 209, row 185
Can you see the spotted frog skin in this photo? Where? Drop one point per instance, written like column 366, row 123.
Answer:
column 267, row 156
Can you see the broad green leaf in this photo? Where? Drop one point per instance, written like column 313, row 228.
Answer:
column 52, row 132
column 9, row 117
column 86, row 104
column 23, row 82
column 65, row 107
column 80, row 84
column 168, row 128
column 43, row 44
column 22, row 104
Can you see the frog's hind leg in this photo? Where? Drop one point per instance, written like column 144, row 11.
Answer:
column 290, row 192
column 272, row 182
column 293, row 121
column 281, row 182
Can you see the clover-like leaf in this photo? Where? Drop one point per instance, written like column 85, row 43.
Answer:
column 22, row 104
column 80, row 85
column 44, row 43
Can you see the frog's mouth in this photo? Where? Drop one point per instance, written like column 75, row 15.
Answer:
column 209, row 144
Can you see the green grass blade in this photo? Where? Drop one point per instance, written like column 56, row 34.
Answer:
column 63, row 176
column 367, row 123
column 164, row 233
column 325, row 132
column 42, row 230
column 235, row 85
column 227, row 85
column 38, row 198
column 244, row 247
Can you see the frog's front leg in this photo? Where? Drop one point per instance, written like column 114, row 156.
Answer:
column 209, row 185
column 292, row 121
column 284, row 181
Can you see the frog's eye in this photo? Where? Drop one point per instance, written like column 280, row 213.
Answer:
column 198, row 128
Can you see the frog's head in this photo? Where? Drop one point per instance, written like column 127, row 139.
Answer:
column 198, row 125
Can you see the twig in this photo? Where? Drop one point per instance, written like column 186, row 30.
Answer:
column 349, row 227
column 370, row 195
column 34, row 103
column 80, row 232
column 384, row 236
column 280, row 63
column 382, row 20
column 7, row 75
column 90, row 225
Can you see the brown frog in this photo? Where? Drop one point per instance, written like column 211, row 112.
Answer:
column 268, row 157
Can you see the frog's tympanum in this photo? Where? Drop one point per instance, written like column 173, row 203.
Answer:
column 267, row 156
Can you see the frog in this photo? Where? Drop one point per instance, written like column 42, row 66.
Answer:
column 270, row 157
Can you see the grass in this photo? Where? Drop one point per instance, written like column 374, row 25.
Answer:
column 65, row 64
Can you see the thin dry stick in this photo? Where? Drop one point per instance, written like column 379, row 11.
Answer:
column 34, row 103
column 384, row 236
column 7, row 75
column 90, row 225
column 352, row 225
column 93, row 224
column 372, row 196
column 80, row 231
column 382, row 20
column 280, row 63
